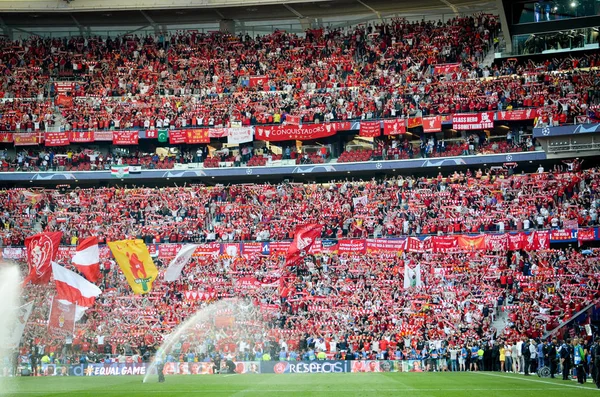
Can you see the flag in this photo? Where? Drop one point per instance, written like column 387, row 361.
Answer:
column 73, row 288
column 119, row 171
column 163, row 135
column 13, row 338
column 304, row 238
column 62, row 316
column 87, row 258
column 412, row 277
column 179, row 262
column 135, row 262
column 363, row 200
column 41, row 249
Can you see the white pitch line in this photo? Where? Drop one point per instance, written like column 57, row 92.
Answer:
column 218, row 391
column 536, row 381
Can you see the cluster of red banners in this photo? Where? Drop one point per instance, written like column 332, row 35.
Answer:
column 289, row 131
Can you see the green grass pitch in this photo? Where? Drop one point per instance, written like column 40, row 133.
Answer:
column 365, row 384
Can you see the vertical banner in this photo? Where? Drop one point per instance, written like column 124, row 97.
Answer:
column 432, row 124
column 394, row 127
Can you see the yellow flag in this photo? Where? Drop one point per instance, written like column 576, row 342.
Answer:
column 135, row 262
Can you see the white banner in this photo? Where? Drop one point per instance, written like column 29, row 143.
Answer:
column 240, row 135
column 178, row 263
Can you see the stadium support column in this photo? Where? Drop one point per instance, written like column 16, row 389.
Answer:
column 504, row 22
column 227, row 26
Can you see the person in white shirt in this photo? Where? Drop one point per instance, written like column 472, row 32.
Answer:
column 540, row 169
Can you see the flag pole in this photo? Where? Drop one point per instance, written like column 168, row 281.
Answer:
column 74, row 315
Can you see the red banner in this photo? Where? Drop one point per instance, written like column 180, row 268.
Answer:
column 586, row 234
column 446, row 68
column 177, row 137
column 444, row 243
column 516, row 241
column 257, row 81
column 432, row 124
column 56, row 139
column 247, row 282
column 125, row 137
column 413, row 244
column 470, row 243
column 292, row 120
column 415, row 122
column 304, row 238
column 63, row 100
column 341, row 125
column 370, row 129
column 496, row 242
column 517, row 115
column 290, row 132
column 537, row 241
column 81, row 137
column 385, row 245
column 41, row 250
column 473, row 121
column 152, row 133
column 103, row 135
column 62, row 317
column 352, row 246
column 26, row 139
column 6, row 137
column 208, row 249
column 394, row 127
column 168, row 250
column 197, row 135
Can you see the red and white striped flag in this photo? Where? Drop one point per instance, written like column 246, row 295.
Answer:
column 72, row 288
column 87, row 258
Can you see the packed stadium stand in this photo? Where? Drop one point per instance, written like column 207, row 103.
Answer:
column 488, row 243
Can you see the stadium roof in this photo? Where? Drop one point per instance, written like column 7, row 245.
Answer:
column 91, row 13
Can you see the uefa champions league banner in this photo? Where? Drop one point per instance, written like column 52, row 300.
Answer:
column 124, row 369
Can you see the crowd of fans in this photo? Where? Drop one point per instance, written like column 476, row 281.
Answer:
column 192, row 79
column 329, row 305
column 471, row 202
column 335, row 304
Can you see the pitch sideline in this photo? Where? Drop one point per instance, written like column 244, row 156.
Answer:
column 536, row 380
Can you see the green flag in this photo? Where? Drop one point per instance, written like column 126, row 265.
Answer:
column 163, row 135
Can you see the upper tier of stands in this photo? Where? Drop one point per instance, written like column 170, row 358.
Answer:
column 192, row 79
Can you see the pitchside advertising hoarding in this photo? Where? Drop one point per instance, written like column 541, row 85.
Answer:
column 124, row 369
column 241, row 367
